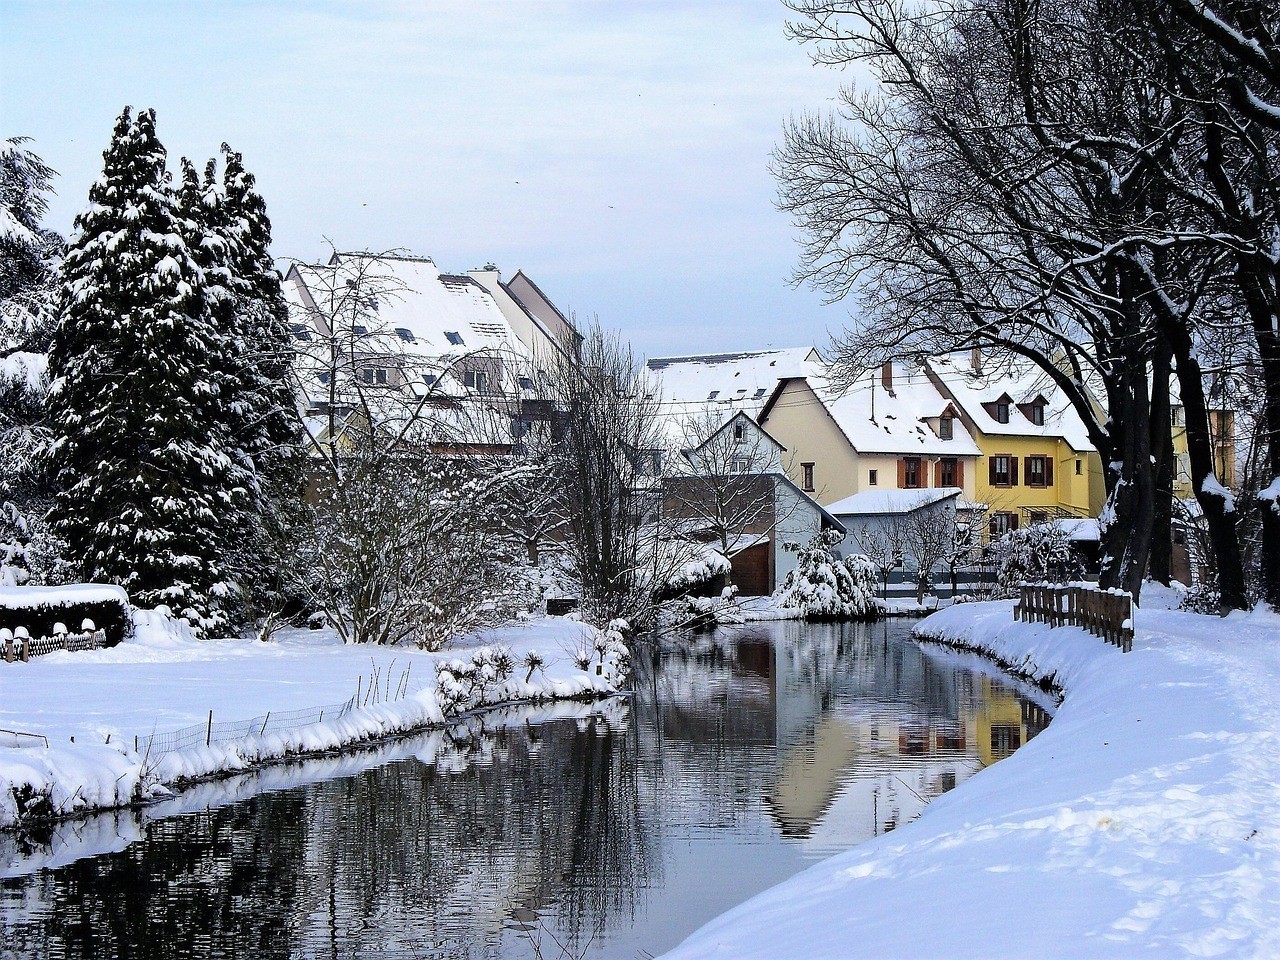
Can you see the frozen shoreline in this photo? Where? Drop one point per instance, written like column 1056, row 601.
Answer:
column 92, row 706
column 1144, row 819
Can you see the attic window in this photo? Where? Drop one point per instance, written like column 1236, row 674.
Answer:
column 1037, row 414
column 405, row 335
column 359, row 329
column 526, row 383
column 428, row 378
column 739, row 433
column 713, row 394
column 759, row 393
column 946, row 429
column 453, row 337
column 1002, row 411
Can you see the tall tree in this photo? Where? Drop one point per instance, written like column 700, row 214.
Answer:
column 143, row 476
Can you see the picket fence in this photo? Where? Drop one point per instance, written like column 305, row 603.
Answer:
column 1104, row 613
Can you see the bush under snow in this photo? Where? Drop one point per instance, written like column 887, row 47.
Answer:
column 825, row 588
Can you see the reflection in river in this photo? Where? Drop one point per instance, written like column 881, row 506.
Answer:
column 613, row 830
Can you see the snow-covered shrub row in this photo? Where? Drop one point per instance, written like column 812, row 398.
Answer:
column 825, row 588
column 685, row 565
column 42, row 610
column 1040, row 553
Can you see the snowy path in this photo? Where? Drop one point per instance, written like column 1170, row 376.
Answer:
column 163, row 680
column 1145, row 821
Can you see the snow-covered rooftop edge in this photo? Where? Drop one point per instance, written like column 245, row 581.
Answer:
column 1143, row 821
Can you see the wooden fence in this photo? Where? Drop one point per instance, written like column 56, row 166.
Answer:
column 20, row 647
column 1104, row 613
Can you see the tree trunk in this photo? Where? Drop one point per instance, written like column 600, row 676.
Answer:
column 1159, row 565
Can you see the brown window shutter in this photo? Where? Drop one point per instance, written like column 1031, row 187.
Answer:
column 1013, row 472
column 1048, row 471
column 960, row 473
column 937, row 474
column 1013, row 517
column 1026, row 470
column 991, row 464
column 902, row 474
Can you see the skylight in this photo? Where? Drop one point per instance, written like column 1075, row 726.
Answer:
column 453, row 337
column 405, row 335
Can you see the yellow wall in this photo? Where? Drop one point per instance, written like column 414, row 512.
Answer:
column 800, row 422
column 1222, row 429
column 1080, row 494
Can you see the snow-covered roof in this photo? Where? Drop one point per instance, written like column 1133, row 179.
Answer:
column 901, row 420
column 1080, row 529
column 890, row 501
column 1022, row 383
column 741, row 380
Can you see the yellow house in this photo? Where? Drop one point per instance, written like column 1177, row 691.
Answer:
column 1036, row 460
column 892, row 430
column 1222, row 435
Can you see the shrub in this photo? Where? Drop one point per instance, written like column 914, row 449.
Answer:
column 39, row 608
column 1040, row 553
column 825, row 588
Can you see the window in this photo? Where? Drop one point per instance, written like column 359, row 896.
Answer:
column 739, row 433
column 300, row 332
column 475, row 380
column 741, row 464
column 1002, row 523
column 359, row 329
column 873, row 477
column 806, row 470
column 1037, row 471
column 759, row 393
column 1037, row 414
column 911, row 472
column 1002, row 411
column 713, row 394
column 947, row 474
column 428, row 378
column 453, row 337
column 376, row 375
column 1003, row 471
column 945, row 429
column 1079, row 467
column 526, row 383
column 405, row 334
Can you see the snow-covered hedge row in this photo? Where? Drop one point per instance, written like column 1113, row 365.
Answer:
column 42, row 609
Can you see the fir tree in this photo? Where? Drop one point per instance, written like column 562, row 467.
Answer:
column 144, row 477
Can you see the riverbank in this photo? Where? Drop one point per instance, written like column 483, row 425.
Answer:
column 1145, row 819
column 107, row 719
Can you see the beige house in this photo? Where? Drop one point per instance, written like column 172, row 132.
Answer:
column 892, row 430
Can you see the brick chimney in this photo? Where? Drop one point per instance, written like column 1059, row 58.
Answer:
column 886, row 376
column 975, row 359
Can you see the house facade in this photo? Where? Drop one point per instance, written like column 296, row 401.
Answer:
column 1036, row 462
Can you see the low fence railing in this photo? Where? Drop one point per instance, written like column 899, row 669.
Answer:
column 1104, row 613
column 21, row 647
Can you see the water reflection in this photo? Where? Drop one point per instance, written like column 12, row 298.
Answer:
column 612, row 830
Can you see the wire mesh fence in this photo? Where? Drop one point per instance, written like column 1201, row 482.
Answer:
column 228, row 731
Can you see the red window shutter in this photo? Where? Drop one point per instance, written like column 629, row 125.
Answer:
column 1048, row 471
column 991, row 464
column 902, row 474
column 1013, row 472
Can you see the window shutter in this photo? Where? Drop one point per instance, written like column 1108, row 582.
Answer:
column 1048, row 471
column 902, row 474
column 1027, row 471
column 1013, row 517
column 1013, row 471
column 991, row 464
column 937, row 473
column 960, row 473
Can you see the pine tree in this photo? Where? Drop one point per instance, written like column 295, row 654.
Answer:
column 144, row 477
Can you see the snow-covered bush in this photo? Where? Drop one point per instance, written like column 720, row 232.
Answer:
column 825, row 588
column 680, row 566
column 609, row 655
column 705, row 613
column 467, row 685
column 1040, row 553
column 1201, row 599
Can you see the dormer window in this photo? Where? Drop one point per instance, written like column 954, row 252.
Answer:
column 475, row 380
column 946, row 430
column 1037, row 414
column 1002, row 411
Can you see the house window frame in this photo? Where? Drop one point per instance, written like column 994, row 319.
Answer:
column 806, row 477
column 1041, row 461
column 1037, row 414
column 912, row 465
column 946, row 428
column 945, row 465
column 1007, row 458
column 1002, row 522
column 873, row 478
column 1002, row 411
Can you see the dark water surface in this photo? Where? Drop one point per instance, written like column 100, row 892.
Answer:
column 612, row 830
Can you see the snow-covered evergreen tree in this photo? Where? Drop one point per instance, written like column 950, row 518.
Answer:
column 144, row 477
column 829, row 589
column 28, row 255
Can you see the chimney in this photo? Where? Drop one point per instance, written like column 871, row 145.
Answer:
column 886, row 376
column 975, row 359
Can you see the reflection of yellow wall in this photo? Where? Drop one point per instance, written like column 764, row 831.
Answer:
column 998, row 708
column 1222, row 431
column 1077, row 493
column 810, row 777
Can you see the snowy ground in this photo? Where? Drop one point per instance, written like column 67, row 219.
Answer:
column 90, row 706
column 1145, row 821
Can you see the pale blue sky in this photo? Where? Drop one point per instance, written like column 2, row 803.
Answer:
column 617, row 152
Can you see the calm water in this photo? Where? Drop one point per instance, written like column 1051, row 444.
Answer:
column 614, row 830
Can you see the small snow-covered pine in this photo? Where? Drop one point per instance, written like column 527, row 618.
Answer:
column 826, row 588
column 144, row 478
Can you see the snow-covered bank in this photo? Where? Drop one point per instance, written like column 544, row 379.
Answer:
column 1144, row 821
column 91, row 706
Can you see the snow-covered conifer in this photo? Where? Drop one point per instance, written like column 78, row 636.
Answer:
column 144, row 479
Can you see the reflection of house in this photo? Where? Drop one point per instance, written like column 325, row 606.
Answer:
column 1037, row 462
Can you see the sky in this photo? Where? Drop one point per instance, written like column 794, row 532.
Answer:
column 616, row 152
